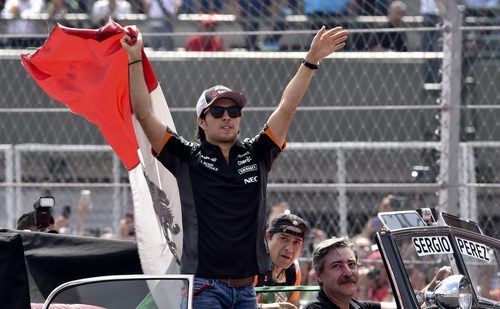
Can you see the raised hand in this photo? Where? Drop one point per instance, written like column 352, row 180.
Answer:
column 326, row 42
column 132, row 43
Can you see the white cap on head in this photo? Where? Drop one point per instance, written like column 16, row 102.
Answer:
column 214, row 93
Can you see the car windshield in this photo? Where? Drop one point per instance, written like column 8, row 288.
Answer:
column 482, row 266
column 123, row 293
column 423, row 257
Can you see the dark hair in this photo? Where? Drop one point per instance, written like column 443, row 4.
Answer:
column 199, row 133
column 27, row 221
column 326, row 245
column 281, row 222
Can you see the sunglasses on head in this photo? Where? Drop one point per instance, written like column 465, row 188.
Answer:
column 218, row 111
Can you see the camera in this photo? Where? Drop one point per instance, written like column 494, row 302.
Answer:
column 43, row 211
column 397, row 203
column 373, row 273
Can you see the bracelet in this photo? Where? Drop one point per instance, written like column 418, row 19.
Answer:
column 309, row 65
column 130, row 63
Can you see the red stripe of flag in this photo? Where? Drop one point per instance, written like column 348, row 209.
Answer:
column 87, row 71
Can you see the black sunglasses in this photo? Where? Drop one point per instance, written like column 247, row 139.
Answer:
column 218, row 111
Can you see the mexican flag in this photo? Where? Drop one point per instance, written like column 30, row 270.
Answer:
column 87, row 71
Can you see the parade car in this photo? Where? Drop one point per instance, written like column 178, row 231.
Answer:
column 432, row 259
column 122, row 291
column 416, row 246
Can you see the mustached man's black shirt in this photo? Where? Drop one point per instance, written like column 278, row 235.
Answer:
column 223, row 204
column 323, row 302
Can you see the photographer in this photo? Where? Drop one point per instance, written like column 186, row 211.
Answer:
column 127, row 226
column 373, row 280
column 390, row 202
column 40, row 219
column 63, row 220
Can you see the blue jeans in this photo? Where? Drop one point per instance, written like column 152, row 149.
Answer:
column 211, row 293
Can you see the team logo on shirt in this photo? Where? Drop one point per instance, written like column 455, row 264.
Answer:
column 244, row 161
column 248, row 168
column 244, row 154
column 209, row 166
column 251, row 179
column 208, row 158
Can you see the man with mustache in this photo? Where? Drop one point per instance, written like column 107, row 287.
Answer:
column 335, row 261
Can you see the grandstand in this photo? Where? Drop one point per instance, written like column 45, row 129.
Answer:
column 370, row 124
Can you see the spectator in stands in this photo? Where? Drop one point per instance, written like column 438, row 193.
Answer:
column 137, row 6
column 57, row 10
column 103, row 9
column 379, row 288
column 416, row 274
column 295, row 6
column 480, row 4
column 431, row 40
column 364, row 247
column 335, row 261
column 40, row 219
column 223, row 180
column 251, row 12
column 210, row 6
column 61, row 223
column 127, row 226
column 78, row 6
column 272, row 42
column 484, row 13
column 107, row 233
column 390, row 202
column 83, row 208
column 391, row 41
column 206, row 6
column 28, row 222
column 17, row 12
column 369, row 7
column 285, row 237
column 316, row 237
column 206, row 41
column 160, row 13
column 277, row 210
column 328, row 12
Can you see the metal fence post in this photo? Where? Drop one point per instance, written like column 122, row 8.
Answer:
column 450, row 105
column 9, row 178
column 18, row 171
column 117, row 202
column 342, row 199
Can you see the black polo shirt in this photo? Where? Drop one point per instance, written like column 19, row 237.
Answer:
column 323, row 302
column 223, row 204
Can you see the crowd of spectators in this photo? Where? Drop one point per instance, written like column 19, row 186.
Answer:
column 24, row 31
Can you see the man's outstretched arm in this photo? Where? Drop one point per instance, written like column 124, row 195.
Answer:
column 139, row 94
column 325, row 42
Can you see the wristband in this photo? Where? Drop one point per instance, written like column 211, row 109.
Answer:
column 130, row 63
column 309, row 65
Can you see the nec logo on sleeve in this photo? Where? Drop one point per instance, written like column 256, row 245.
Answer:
column 251, row 179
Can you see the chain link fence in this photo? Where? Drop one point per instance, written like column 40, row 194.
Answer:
column 420, row 124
